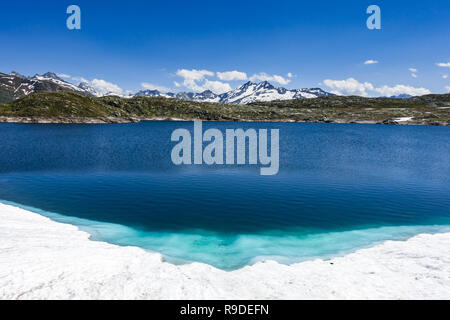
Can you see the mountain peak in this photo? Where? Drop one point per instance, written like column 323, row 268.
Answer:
column 48, row 75
column 207, row 94
column 258, row 86
column 265, row 85
column 246, row 85
column 16, row 74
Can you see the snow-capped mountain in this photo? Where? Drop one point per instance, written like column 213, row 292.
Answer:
column 205, row 96
column 52, row 78
column 154, row 93
column 264, row 91
column 89, row 89
column 247, row 93
column 15, row 85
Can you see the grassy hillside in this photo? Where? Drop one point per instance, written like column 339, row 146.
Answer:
column 431, row 109
column 5, row 95
column 427, row 108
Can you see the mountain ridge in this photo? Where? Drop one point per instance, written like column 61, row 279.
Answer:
column 15, row 85
column 248, row 92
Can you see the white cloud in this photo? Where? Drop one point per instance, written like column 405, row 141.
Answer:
column 447, row 88
column 414, row 72
column 64, row 76
column 196, row 80
column 192, row 85
column 150, row 86
column 193, row 74
column 443, row 64
column 80, row 79
column 352, row 86
column 101, row 86
column 216, row 86
column 371, row 62
column 105, row 87
column 265, row 77
column 401, row 89
column 444, row 76
column 232, row 75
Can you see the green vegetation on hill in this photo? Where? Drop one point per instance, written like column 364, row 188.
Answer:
column 5, row 95
column 430, row 109
column 55, row 104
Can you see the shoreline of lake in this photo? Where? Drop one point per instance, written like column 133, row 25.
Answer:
column 113, row 120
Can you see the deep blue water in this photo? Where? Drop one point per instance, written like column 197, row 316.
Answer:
column 340, row 187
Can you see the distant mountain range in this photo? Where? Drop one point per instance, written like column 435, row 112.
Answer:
column 15, row 85
column 246, row 93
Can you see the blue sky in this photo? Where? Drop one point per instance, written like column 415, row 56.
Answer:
column 182, row 45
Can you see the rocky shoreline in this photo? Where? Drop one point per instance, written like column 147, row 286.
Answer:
column 66, row 120
column 111, row 120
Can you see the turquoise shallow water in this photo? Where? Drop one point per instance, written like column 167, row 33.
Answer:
column 340, row 187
